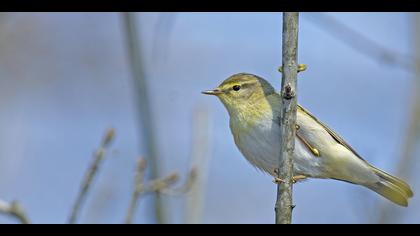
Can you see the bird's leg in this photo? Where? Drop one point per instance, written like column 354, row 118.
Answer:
column 313, row 150
column 298, row 178
column 277, row 179
column 301, row 67
column 295, row 178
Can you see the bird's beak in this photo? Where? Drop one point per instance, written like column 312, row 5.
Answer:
column 212, row 92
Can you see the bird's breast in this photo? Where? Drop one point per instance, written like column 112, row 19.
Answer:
column 258, row 143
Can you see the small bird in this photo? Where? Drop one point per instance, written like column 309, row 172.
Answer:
column 254, row 108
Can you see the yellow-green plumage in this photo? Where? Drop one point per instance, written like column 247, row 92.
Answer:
column 254, row 109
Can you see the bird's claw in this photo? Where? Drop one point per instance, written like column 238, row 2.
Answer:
column 278, row 181
column 301, row 67
column 295, row 179
column 298, row 178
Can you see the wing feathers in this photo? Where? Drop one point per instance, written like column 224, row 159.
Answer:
column 331, row 132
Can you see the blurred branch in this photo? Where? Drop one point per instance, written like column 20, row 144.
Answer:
column 160, row 185
column 138, row 189
column 183, row 189
column 194, row 182
column 98, row 157
column 162, row 34
column 200, row 158
column 409, row 147
column 15, row 210
column 144, row 113
column 360, row 42
column 284, row 203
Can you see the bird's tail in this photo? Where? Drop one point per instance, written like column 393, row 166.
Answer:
column 392, row 188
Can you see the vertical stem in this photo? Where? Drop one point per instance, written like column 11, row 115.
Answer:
column 144, row 112
column 387, row 214
column 90, row 175
column 284, row 203
column 138, row 189
column 200, row 158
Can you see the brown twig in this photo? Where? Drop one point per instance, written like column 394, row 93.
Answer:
column 141, row 188
column 160, row 185
column 15, row 210
column 284, row 203
column 138, row 189
column 98, row 157
column 185, row 188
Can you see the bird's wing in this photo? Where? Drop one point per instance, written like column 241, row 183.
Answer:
column 333, row 134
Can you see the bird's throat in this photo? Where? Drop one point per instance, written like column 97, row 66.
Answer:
column 245, row 117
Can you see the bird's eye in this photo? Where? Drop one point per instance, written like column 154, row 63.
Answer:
column 236, row 87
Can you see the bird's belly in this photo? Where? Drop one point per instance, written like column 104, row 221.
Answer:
column 261, row 147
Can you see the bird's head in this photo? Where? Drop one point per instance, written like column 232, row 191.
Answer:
column 242, row 92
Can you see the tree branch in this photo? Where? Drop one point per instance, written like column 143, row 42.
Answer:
column 138, row 189
column 144, row 111
column 284, row 203
column 15, row 210
column 160, row 185
column 361, row 43
column 90, row 174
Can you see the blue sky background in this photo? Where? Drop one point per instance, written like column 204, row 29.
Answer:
column 65, row 78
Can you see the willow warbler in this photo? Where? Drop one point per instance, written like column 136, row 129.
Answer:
column 254, row 109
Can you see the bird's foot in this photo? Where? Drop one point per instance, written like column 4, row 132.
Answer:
column 295, row 179
column 298, row 178
column 277, row 180
column 301, row 67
